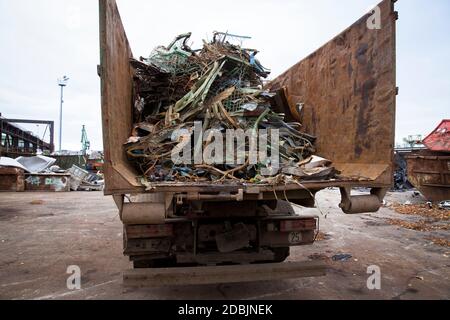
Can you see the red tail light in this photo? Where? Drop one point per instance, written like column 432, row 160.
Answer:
column 297, row 225
column 149, row 231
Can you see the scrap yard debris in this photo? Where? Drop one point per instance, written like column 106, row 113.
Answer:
column 33, row 167
column 439, row 241
column 421, row 225
column 423, row 210
column 435, row 217
column 216, row 90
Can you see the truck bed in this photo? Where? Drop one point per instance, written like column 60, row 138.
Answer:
column 347, row 87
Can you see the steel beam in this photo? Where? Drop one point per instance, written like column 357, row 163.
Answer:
column 159, row 277
column 25, row 136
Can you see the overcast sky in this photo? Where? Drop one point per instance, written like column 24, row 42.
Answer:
column 46, row 39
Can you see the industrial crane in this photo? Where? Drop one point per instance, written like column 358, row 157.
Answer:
column 85, row 143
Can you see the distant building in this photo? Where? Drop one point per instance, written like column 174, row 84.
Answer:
column 16, row 141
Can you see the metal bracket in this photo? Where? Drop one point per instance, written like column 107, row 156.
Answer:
column 119, row 199
column 195, row 196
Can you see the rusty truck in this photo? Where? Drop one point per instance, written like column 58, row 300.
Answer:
column 172, row 232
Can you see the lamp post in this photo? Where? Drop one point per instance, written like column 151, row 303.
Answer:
column 62, row 83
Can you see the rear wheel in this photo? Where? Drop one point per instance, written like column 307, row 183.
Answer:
column 281, row 254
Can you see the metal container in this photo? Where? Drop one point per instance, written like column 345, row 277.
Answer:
column 11, row 179
column 429, row 172
column 51, row 182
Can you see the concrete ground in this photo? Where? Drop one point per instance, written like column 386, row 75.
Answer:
column 41, row 234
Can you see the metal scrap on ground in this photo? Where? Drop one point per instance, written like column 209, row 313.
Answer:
column 221, row 87
column 423, row 209
column 43, row 167
column 434, row 217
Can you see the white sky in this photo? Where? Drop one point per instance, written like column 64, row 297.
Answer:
column 44, row 40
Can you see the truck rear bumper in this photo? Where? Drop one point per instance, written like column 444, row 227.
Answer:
column 159, row 277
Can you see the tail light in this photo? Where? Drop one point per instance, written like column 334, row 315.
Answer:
column 297, row 225
column 149, row 231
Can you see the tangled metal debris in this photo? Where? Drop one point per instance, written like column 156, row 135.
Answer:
column 221, row 86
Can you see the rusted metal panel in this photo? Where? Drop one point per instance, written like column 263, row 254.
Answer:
column 429, row 172
column 11, row 179
column 348, row 90
column 222, row 274
column 439, row 139
column 47, row 182
column 116, row 92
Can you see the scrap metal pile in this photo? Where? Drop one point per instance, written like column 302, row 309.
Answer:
column 221, row 86
column 55, row 177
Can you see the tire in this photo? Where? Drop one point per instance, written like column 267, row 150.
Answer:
column 281, row 254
